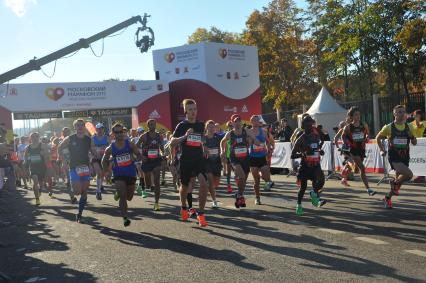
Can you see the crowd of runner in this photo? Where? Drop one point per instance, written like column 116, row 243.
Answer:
column 135, row 160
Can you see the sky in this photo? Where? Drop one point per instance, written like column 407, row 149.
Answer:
column 35, row 28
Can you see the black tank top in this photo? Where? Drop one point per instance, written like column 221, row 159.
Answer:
column 213, row 146
column 239, row 145
column 151, row 148
column 79, row 150
column 311, row 147
column 357, row 136
column 399, row 141
column 35, row 156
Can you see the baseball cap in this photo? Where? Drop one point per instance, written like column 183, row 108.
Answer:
column 99, row 125
column 141, row 129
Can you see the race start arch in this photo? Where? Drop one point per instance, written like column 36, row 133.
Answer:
column 140, row 100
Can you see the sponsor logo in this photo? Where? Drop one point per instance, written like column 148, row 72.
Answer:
column 132, row 88
column 169, row 57
column 177, row 71
column 159, row 87
column 244, row 109
column 185, row 70
column 54, row 93
column 154, row 115
column 223, row 53
column 236, row 76
column 230, row 109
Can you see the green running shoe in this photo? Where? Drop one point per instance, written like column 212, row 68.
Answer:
column 144, row 194
column 314, row 198
column 139, row 190
column 116, row 196
column 126, row 221
column 299, row 209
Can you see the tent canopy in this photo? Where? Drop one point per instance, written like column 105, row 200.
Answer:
column 325, row 111
column 324, row 103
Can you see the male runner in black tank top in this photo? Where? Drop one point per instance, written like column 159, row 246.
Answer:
column 152, row 153
column 79, row 145
column 189, row 135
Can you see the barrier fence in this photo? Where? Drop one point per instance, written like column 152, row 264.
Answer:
column 374, row 163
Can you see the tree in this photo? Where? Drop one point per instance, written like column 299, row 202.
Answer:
column 284, row 54
column 214, row 35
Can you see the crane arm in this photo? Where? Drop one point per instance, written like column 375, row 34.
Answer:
column 35, row 64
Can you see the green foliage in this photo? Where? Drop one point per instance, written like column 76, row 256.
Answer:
column 355, row 48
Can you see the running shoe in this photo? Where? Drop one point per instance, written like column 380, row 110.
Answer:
column 38, row 201
column 299, row 209
column 242, row 202
column 156, row 206
column 229, row 189
column 214, row 204
column 202, row 220
column 321, row 202
column 126, row 221
column 371, row 192
column 192, row 212
column 145, row 194
column 314, row 198
column 395, row 188
column 344, row 182
column 102, row 189
column 51, row 194
column 267, row 187
column 184, row 214
column 78, row 218
column 257, row 201
column 73, row 200
column 116, row 196
column 98, row 195
column 139, row 190
column 387, row 202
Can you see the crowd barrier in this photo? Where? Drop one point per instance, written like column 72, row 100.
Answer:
column 374, row 162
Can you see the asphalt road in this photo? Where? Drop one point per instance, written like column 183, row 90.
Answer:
column 352, row 238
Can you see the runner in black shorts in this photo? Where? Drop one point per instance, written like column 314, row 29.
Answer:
column 240, row 140
column 189, row 135
column 213, row 162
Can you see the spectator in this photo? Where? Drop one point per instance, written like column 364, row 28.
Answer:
column 418, row 131
column 323, row 133
column 284, row 131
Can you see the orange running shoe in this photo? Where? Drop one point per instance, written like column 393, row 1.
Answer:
column 202, row 220
column 184, row 214
column 229, row 190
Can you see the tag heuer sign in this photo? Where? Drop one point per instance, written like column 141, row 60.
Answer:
column 37, row 115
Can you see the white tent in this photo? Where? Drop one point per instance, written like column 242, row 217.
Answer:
column 325, row 111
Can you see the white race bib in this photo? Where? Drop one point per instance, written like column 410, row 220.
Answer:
column 213, row 152
column 82, row 170
column 358, row 136
column 123, row 160
column 240, row 152
column 152, row 153
column 193, row 140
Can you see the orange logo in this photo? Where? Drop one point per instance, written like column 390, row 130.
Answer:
column 54, row 93
column 223, row 52
column 169, row 57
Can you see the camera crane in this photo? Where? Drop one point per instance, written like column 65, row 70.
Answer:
column 143, row 42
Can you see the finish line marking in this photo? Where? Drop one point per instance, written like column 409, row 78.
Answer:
column 371, row 240
column 416, row 252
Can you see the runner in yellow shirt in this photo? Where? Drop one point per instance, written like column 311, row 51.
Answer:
column 399, row 134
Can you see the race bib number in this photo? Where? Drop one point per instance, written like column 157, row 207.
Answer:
column 36, row 158
column 314, row 146
column 400, row 142
column 258, row 148
column 240, row 152
column 82, row 170
column 153, row 153
column 213, row 152
column 193, row 140
column 358, row 137
column 123, row 160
